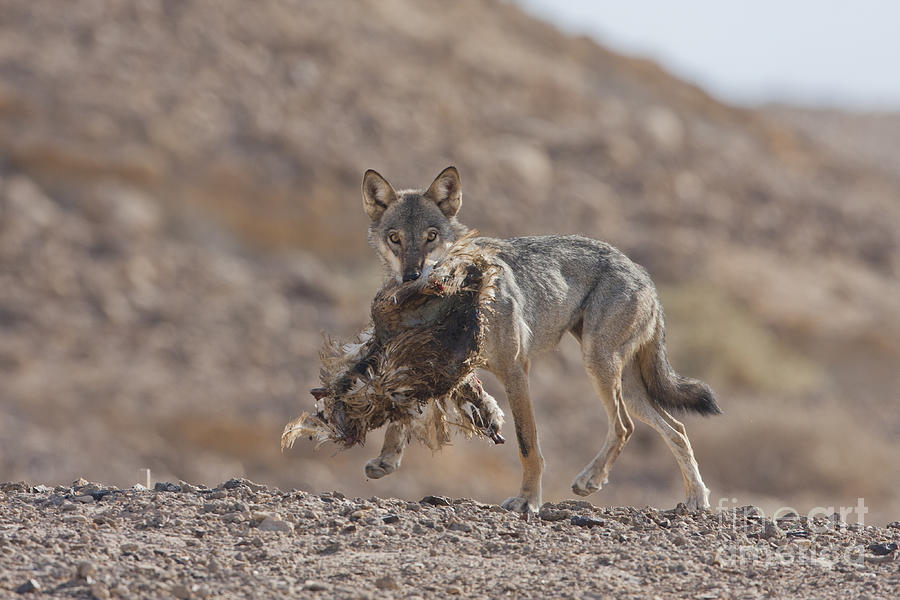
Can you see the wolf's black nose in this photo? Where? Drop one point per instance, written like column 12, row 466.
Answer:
column 411, row 275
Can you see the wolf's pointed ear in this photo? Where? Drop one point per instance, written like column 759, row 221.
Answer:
column 446, row 191
column 378, row 194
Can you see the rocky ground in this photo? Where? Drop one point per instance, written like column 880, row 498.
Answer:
column 244, row 540
column 180, row 219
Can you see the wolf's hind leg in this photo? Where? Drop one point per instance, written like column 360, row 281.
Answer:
column 671, row 430
column 607, row 382
column 391, row 452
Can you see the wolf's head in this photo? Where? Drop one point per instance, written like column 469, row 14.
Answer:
column 411, row 229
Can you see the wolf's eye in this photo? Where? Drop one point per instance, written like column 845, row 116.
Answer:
column 395, row 239
column 432, row 235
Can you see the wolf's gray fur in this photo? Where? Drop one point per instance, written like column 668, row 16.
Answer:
column 549, row 286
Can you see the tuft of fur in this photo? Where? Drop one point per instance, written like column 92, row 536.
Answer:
column 415, row 364
column 671, row 390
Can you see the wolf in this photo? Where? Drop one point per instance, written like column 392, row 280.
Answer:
column 548, row 286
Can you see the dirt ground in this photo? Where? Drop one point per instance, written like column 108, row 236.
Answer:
column 244, row 540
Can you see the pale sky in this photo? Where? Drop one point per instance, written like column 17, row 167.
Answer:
column 826, row 52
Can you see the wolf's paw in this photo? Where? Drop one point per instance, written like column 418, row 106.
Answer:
column 521, row 505
column 698, row 502
column 378, row 468
column 584, row 485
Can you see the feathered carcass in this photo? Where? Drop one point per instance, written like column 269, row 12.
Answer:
column 415, row 364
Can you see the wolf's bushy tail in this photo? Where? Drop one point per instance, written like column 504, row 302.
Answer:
column 671, row 390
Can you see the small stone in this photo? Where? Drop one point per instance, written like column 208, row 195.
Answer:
column 315, row 586
column 85, row 499
column 436, row 500
column 100, row 494
column 85, row 569
column 680, row 509
column 129, row 547
column 270, row 524
column 459, row 526
column 582, row 521
column 551, row 514
column 680, row 540
column 386, row 583
column 391, row 518
column 165, row 486
column 99, row 591
column 75, row 519
column 894, row 525
column 40, row 489
column 29, row 586
column 770, row 531
column 331, row 548
column 233, row 517
column 259, row 516
column 454, row 591
column 182, row 592
column 881, row 549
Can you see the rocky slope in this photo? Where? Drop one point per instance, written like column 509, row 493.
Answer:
column 243, row 540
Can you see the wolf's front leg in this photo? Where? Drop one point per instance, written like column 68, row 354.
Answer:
column 391, row 452
column 529, row 499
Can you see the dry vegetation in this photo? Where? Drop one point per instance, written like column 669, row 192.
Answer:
column 180, row 218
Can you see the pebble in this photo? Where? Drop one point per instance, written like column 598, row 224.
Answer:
column 770, row 531
column 436, row 500
column 271, row 524
column 881, row 549
column 85, row 569
column 312, row 585
column 391, row 518
column 75, row 519
column 583, row 521
column 165, row 486
column 551, row 514
column 99, row 591
column 332, row 548
column 182, row 592
column 29, row 586
column 386, row 583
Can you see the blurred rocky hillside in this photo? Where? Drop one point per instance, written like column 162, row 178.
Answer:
column 180, row 218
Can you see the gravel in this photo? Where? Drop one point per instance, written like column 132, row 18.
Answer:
column 140, row 543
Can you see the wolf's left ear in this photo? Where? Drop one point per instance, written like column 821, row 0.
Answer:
column 378, row 194
column 446, row 191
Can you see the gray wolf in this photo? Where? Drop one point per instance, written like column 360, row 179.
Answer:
column 549, row 286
